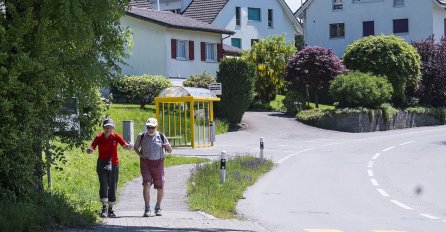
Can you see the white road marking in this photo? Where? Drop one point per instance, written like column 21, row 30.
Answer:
column 370, row 165
column 389, row 148
column 293, row 154
column 382, row 192
column 374, row 182
column 402, row 144
column 376, row 155
column 400, row 204
column 429, row 216
column 370, row 173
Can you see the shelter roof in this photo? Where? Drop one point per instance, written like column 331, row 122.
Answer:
column 179, row 91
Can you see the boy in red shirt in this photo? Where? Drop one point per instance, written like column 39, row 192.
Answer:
column 107, row 166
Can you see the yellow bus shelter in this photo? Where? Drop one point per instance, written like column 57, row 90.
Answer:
column 186, row 116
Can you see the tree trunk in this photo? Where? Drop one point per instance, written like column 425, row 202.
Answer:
column 316, row 99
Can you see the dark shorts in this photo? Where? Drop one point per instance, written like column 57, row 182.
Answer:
column 152, row 171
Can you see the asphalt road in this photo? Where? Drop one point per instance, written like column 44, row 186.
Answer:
column 328, row 181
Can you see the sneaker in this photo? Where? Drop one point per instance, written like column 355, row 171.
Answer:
column 146, row 213
column 103, row 213
column 111, row 214
column 158, row 212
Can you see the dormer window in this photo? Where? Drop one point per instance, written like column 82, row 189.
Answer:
column 337, row 5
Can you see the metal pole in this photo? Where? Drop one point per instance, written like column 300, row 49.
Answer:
column 158, row 4
column 128, row 130
column 261, row 147
column 223, row 167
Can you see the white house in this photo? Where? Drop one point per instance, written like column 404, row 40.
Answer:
column 337, row 23
column 250, row 19
column 169, row 44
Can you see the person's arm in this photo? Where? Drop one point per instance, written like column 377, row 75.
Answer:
column 137, row 146
column 166, row 145
column 124, row 143
column 93, row 145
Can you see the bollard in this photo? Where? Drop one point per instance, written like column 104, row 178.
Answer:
column 223, row 167
column 261, row 147
column 127, row 128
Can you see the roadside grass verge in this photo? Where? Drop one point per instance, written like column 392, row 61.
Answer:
column 206, row 193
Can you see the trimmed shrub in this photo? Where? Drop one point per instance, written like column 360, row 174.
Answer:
column 315, row 67
column 199, row 81
column 293, row 102
column 433, row 71
column 390, row 56
column 355, row 89
column 237, row 77
column 142, row 88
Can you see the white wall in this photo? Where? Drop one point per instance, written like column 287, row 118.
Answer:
column 438, row 18
column 148, row 55
column 186, row 68
column 319, row 15
column 254, row 29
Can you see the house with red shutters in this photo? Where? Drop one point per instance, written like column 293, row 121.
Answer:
column 169, row 44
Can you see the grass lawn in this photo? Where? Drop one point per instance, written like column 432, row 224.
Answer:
column 206, row 193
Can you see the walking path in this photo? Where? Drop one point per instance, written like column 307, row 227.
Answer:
column 176, row 214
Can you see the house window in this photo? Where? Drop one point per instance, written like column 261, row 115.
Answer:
column 398, row 3
column 254, row 14
column 368, row 28
column 270, row 18
column 236, row 42
column 211, row 52
column 237, row 16
column 337, row 5
column 400, row 26
column 182, row 50
column 363, row 1
column 337, row 30
column 444, row 27
column 253, row 41
column 176, row 11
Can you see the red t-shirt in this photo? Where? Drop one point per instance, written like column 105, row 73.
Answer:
column 108, row 146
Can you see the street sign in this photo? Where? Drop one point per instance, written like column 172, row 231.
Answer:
column 216, row 88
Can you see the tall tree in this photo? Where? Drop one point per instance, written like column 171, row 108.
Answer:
column 270, row 56
column 51, row 51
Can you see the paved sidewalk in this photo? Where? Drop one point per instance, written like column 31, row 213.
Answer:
column 176, row 214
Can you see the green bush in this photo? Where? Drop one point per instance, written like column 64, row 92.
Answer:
column 311, row 116
column 199, row 81
column 293, row 102
column 355, row 89
column 388, row 56
column 142, row 88
column 237, row 77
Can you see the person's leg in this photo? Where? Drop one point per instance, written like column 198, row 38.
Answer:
column 146, row 183
column 113, row 186
column 158, row 182
column 103, row 186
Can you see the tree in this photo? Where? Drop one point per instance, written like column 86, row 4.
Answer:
column 143, row 88
column 236, row 77
column 390, row 56
column 433, row 71
column 51, row 51
column 315, row 67
column 269, row 56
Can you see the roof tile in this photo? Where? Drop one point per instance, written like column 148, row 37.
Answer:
column 205, row 10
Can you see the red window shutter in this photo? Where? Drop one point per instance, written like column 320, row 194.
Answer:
column 219, row 52
column 173, row 48
column 191, row 50
column 203, row 51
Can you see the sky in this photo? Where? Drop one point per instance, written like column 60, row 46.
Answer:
column 293, row 4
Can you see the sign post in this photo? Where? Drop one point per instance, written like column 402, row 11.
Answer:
column 216, row 88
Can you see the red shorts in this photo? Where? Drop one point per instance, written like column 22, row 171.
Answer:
column 152, row 171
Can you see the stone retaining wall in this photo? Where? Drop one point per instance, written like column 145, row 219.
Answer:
column 361, row 122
